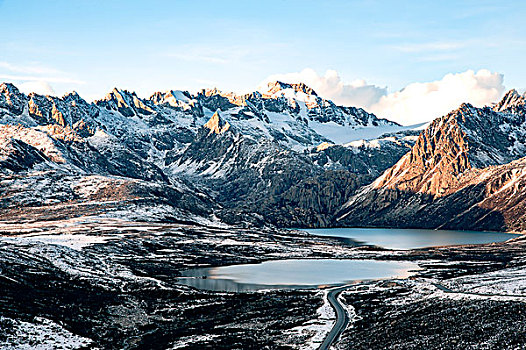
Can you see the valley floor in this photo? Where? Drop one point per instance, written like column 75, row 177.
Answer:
column 112, row 284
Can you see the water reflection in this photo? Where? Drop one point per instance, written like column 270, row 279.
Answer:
column 293, row 274
column 410, row 238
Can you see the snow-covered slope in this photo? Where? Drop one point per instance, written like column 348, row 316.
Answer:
column 230, row 146
column 277, row 185
column 292, row 115
column 336, row 123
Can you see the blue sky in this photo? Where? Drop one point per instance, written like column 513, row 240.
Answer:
column 146, row 46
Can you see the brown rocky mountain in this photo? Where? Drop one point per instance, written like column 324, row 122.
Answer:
column 459, row 174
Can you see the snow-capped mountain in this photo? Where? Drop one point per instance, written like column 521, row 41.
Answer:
column 215, row 150
column 511, row 102
column 295, row 116
column 262, row 158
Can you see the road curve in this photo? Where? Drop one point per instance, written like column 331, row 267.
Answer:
column 342, row 318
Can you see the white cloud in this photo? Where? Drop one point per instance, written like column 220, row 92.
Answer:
column 330, row 85
column 39, row 87
column 420, row 102
column 416, row 103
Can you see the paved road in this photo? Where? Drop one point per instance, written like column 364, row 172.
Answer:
column 342, row 318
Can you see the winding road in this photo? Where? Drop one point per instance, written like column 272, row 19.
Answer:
column 342, row 318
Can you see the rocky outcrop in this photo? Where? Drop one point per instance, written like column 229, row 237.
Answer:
column 511, row 101
column 11, row 99
column 491, row 199
column 125, row 102
column 277, row 86
column 371, row 157
column 16, row 155
column 216, row 124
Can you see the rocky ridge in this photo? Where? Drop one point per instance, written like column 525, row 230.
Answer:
column 258, row 158
column 236, row 155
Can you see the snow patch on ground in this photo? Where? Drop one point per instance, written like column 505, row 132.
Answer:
column 41, row 334
column 349, row 309
column 184, row 342
column 511, row 282
column 73, row 241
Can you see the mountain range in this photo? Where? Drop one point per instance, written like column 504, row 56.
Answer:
column 285, row 157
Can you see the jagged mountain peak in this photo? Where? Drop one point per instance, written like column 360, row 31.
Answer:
column 510, row 100
column 126, row 102
column 294, row 119
column 122, row 93
column 174, row 98
column 73, row 94
column 11, row 98
column 465, row 138
column 9, row 88
column 217, row 124
column 231, row 97
column 277, row 86
column 116, row 90
column 74, row 98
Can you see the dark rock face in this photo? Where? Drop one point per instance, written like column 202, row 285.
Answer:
column 241, row 171
column 11, row 98
column 281, row 187
column 365, row 157
column 16, row 155
column 311, row 202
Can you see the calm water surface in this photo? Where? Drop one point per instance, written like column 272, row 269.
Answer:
column 294, row 273
column 314, row 273
column 410, row 238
